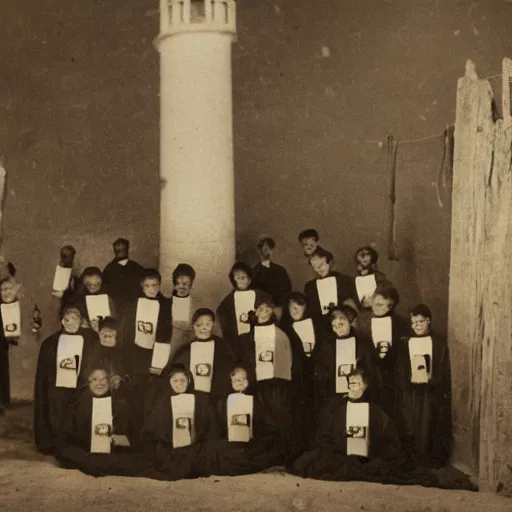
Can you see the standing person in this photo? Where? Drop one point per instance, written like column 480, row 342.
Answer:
column 270, row 277
column 65, row 283
column 122, row 276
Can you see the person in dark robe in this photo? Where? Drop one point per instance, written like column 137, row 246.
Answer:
column 63, row 358
column 236, row 304
column 182, row 305
column 93, row 287
column 245, row 438
column 328, row 289
column 177, row 421
column 340, row 352
column 271, row 277
column 146, row 332
column 267, row 353
column 385, row 329
column 67, row 296
column 9, row 335
column 122, row 276
column 424, row 415
column 208, row 357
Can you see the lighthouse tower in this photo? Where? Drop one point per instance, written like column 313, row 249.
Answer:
column 197, row 205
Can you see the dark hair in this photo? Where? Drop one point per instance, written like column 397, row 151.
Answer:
column 108, row 322
column 69, row 248
column 264, row 299
column 388, row 291
column 309, row 233
column 67, row 309
column 322, row 253
column 183, row 269
column 203, row 312
column 11, row 269
column 373, row 253
column 151, row 273
column 421, row 309
column 238, row 366
column 177, row 368
column 239, row 266
column 91, row 271
column 121, row 241
column 361, row 371
column 266, row 240
column 298, row 298
column 347, row 311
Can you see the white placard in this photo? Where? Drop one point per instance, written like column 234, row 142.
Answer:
column 306, row 333
column 161, row 353
column 11, row 319
column 240, row 414
column 101, row 425
column 244, row 302
column 97, row 306
column 420, row 356
column 345, row 362
column 357, row 428
column 183, row 428
column 181, row 309
column 61, row 279
column 201, row 364
column 365, row 286
column 69, row 348
column 265, row 348
column 146, row 321
column 327, row 293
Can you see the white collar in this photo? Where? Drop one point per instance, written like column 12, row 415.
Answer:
column 123, row 262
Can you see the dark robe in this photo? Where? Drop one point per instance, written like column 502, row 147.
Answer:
column 226, row 315
column 273, row 280
column 70, row 294
column 5, row 376
column 114, row 359
column 424, row 416
column 222, row 365
column 123, row 282
column 80, row 302
column 380, row 278
column 50, row 401
column 324, row 363
column 385, row 368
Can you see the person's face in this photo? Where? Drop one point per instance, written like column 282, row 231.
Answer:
column 320, row 266
column 93, row 284
column 8, row 292
column 203, row 327
column 420, row 325
column 99, row 382
column 381, row 306
column 242, row 280
column 183, row 286
column 151, row 287
column 296, row 311
column 340, row 326
column 108, row 337
column 120, row 251
column 264, row 313
column 239, row 381
column 356, row 387
column 309, row 245
column 67, row 257
column 364, row 259
column 179, row 383
column 266, row 252
column 71, row 322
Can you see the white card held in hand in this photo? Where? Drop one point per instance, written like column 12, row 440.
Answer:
column 146, row 321
column 265, row 348
column 183, row 428
column 161, row 353
column 357, row 428
column 181, row 309
column 327, row 293
column 382, row 330
column 11, row 319
column 306, row 333
column 240, row 411
column 345, row 362
column 61, row 279
column 69, row 360
column 420, row 356
column 201, row 364
column 97, row 306
column 244, row 302
column 101, row 425
column 365, row 286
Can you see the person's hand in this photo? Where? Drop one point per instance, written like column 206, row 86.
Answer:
column 366, row 302
column 244, row 318
column 95, row 325
column 115, row 382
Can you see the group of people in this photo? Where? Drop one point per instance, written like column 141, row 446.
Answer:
column 330, row 383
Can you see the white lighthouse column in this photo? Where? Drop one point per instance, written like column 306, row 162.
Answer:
column 197, row 205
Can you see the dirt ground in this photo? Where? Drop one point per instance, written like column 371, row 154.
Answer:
column 31, row 482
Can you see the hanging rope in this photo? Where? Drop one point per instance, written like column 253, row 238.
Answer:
column 392, row 151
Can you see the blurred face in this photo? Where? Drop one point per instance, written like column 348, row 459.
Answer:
column 93, row 284
column 242, row 280
column 356, row 387
column 71, row 322
column 381, row 306
column 99, row 382
column 183, row 286
column 296, row 311
column 8, row 291
column 320, row 266
column 151, row 287
column 364, row 259
column 340, row 326
column 108, row 337
column 120, row 252
column 309, row 245
column 67, row 257
column 203, row 327
column 266, row 252
column 420, row 325
column 264, row 313
column 179, row 383
column 239, row 381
